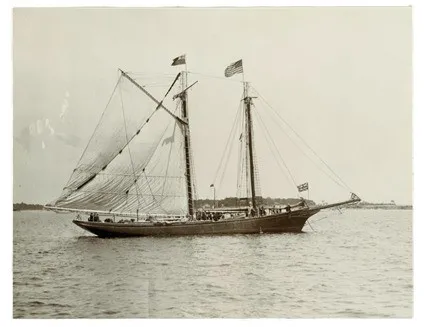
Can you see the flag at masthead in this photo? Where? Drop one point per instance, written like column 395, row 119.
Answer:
column 181, row 60
column 234, row 68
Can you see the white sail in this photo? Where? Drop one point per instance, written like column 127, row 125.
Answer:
column 133, row 162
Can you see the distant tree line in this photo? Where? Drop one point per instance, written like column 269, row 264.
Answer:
column 235, row 202
column 392, row 203
column 24, row 206
column 369, row 205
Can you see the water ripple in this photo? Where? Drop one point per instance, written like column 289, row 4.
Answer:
column 341, row 270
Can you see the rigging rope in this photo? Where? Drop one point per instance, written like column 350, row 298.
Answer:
column 129, row 150
column 119, row 193
column 308, row 156
column 97, row 126
column 149, row 157
column 310, row 225
column 304, row 142
column 268, row 139
column 216, row 77
column 227, row 144
column 246, row 159
column 153, row 75
column 129, row 140
column 153, row 196
column 168, row 161
column 128, row 168
column 241, row 158
column 226, row 165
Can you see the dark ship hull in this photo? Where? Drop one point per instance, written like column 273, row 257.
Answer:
column 287, row 222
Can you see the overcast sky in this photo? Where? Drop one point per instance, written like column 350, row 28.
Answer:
column 342, row 77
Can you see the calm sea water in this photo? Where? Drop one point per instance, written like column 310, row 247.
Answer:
column 354, row 264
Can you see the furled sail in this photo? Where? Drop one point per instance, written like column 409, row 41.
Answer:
column 134, row 161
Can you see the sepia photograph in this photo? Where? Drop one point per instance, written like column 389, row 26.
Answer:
column 212, row 162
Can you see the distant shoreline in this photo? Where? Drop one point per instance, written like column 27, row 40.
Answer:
column 360, row 206
column 26, row 207
column 380, row 206
column 383, row 206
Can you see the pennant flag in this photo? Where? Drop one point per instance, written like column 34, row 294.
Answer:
column 303, row 187
column 234, row 68
column 353, row 196
column 181, row 60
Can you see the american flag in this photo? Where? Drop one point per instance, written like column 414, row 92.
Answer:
column 234, row 68
column 303, row 187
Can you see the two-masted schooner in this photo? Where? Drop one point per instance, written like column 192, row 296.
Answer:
column 136, row 176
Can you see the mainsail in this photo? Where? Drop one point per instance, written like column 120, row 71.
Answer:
column 134, row 161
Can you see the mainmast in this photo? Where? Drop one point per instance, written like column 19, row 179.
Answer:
column 247, row 105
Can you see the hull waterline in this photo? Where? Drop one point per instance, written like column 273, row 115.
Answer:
column 292, row 222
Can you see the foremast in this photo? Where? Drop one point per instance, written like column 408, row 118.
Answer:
column 187, row 144
column 184, row 124
column 184, row 120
